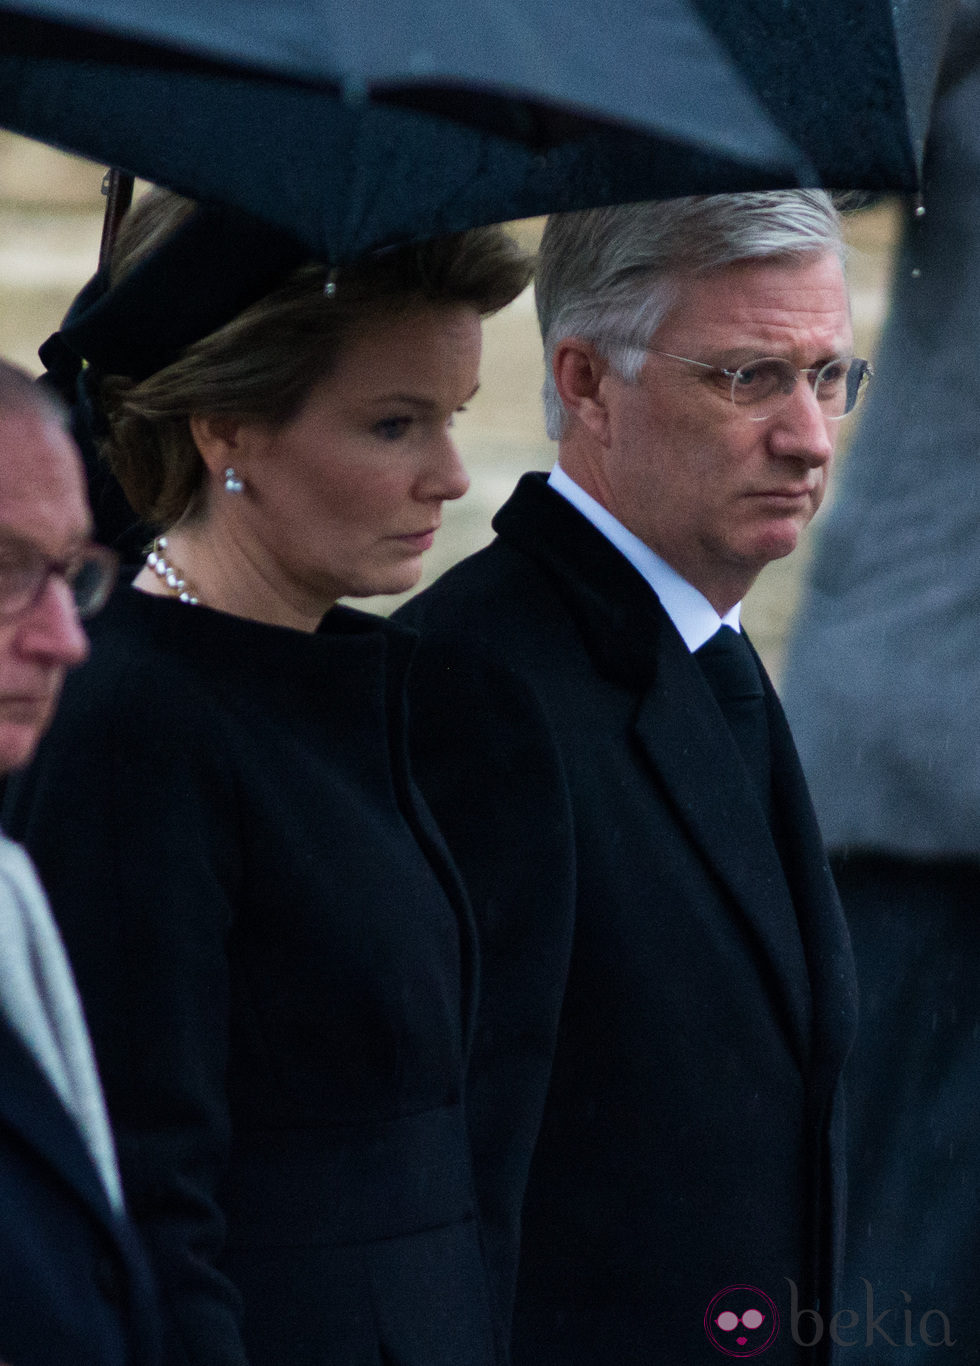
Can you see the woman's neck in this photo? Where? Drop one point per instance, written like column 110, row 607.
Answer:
column 215, row 570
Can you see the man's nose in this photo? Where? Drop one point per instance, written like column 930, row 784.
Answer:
column 50, row 628
column 801, row 430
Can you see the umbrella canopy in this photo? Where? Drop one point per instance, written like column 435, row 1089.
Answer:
column 850, row 84
column 850, row 81
column 273, row 106
column 502, row 111
column 520, row 68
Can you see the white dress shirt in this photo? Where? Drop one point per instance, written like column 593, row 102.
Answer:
column 690, row 611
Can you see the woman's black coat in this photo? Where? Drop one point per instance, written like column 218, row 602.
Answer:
column 278, row 972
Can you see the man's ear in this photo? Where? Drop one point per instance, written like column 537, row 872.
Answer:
column 579, row 371
column 217, row 438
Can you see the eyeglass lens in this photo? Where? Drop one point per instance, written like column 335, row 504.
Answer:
column 23, row 579
column 92, row 580
column 766, row 384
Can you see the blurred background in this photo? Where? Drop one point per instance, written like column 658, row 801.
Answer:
column 50, row 223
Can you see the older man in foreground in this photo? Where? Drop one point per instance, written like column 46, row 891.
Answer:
column 667, row 984
column 73, row 1287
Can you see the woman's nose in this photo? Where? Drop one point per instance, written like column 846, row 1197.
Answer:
column 446, row 476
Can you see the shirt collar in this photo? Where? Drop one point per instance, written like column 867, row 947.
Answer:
column 690, row 611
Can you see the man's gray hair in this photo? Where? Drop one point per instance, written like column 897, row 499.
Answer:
column 611, row 275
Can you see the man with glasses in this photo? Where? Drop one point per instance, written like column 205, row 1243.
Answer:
column 667, row 992
column 74, row 1290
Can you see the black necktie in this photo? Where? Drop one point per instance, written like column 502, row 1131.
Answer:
column 733, row 676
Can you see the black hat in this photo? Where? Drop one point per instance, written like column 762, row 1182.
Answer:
column 216, row 263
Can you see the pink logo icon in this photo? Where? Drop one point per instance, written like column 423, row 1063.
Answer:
column 741, row 1321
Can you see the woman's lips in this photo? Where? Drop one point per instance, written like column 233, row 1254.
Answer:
column 418, row 540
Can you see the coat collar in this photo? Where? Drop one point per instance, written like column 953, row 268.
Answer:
column 616, row 609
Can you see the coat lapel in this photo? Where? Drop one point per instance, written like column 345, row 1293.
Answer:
column 689, row 745
column 30, row 1107
column 830, row 963
column 832, row 976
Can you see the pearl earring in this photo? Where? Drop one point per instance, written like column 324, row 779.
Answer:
column 234, row 483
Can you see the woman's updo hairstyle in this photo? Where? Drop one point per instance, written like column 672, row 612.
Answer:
column 262, row 365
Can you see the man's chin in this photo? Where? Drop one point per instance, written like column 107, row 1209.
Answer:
column 775, row 542
column 18, row 744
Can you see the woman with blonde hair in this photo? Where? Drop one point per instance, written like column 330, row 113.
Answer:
column 277, row 964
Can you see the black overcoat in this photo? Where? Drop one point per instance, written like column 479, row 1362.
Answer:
column 278, row 970
column 691, row 990
column 74, row 1287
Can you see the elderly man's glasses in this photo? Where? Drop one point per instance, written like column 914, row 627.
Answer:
column 761, row 387
column 25, row 572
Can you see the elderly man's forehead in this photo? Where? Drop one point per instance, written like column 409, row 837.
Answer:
column 41, row 474
column 34, row 426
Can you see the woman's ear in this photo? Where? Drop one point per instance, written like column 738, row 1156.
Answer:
column 579, row 371
column 217, row 437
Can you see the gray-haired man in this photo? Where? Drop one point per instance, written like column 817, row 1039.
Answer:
column 74, row 1290
column 667, row 984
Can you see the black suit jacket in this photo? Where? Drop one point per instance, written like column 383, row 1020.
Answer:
column 688, row 989
column 74, row 1289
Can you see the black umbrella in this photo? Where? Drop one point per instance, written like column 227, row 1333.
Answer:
column 269, row 106
column 356, row 127
column 849, row 81
column 521, row 68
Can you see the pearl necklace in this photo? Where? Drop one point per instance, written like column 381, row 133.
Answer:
column 169, row 573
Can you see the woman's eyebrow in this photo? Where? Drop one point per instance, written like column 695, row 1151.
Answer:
column 415, row 400
column 410, row 400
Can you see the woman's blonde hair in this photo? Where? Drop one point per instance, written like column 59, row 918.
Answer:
column 261, row 366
